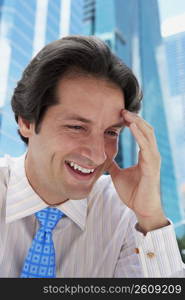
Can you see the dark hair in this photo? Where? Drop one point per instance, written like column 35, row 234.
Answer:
column 35, row 91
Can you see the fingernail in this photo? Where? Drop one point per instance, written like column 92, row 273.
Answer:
column 129, row 113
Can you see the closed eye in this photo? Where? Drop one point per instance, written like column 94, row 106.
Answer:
column 75, row 127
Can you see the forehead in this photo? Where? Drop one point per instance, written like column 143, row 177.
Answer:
column 90, row 98
column 87, row 91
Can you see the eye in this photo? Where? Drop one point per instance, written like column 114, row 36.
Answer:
column 112, row 133
column 75, row 127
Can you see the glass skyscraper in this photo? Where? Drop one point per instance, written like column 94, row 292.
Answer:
column 132, row 30
column 175, row 58
column 174, row 46
column 25, row 27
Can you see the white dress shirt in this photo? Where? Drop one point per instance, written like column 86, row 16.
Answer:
column 95, row 238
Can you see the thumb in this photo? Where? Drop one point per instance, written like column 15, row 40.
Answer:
column 113, row 168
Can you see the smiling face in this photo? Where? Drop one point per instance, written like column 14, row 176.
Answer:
column 78, row 139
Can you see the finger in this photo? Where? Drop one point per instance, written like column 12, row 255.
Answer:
column 140, row 138
column 113, row 168
column 133, row 117
column 146, row 129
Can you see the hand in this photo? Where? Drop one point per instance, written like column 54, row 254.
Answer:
column 139, row 186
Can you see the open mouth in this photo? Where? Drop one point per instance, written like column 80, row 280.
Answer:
column 78, row 170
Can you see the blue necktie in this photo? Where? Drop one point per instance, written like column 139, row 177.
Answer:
column 40, row 260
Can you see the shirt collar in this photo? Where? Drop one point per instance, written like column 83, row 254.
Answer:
column 23, row 201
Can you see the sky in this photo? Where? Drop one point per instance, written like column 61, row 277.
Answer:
column 172, row 15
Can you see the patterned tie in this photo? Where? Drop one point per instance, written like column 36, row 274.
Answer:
column 40, row 260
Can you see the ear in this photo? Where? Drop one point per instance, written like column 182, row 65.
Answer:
column 25, row 127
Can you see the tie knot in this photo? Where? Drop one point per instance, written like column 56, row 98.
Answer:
column 48, row 218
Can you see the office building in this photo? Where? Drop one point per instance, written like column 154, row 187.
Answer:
column 175, row 59
column 25, row 27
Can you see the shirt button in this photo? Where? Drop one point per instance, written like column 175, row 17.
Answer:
column 150, row 254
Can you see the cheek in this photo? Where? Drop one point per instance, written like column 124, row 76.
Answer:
column 63, row 142
column 112, row 149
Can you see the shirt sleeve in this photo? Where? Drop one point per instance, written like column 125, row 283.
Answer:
column 159, row 253
column 155, row 254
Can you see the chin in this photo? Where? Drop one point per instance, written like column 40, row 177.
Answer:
column 82, row 195
column 77, row 195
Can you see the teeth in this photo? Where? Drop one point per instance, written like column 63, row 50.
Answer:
column 83, row 170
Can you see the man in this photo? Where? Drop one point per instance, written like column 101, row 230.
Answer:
column 71, row 104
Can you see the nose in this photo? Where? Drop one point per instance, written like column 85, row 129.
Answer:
column 95, row 150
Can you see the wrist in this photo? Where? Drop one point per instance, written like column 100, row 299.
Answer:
column 146, row 224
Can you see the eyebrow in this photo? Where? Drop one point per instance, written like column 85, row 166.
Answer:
column 84, row 120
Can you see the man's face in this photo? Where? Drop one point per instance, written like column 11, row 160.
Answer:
column 78, row 138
